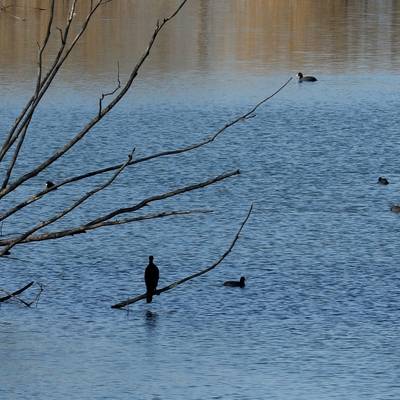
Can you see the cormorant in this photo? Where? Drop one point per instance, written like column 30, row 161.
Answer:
column 303, row 78
column 236, row 283
column 151, row 275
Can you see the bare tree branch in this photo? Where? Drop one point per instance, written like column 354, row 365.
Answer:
column 109, row 93
column 99, row 222
column 248, row 114
column 59, row 153
column 43, row 47
column 81, row 229
column 163, row 196
column 16, row 293
column 38, row 83
column 66, row 211
column 30, row 107
column 197, row 274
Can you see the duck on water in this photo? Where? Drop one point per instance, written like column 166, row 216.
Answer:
column 239, row 283
column 303, row 78
column 383, row 181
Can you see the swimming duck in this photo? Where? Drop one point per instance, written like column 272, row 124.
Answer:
column 303, row 78
column 239, row 283
column 383, row 181
column 395, row 208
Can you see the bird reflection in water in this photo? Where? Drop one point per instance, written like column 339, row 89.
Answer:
column 151, row 319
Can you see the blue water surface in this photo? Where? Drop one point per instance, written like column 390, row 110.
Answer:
column 319, row 317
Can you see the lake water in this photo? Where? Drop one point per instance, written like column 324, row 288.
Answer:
column 319, row 317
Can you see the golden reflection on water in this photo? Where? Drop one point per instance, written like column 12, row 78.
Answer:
column 253, row 35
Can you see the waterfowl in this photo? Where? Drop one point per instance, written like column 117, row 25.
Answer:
column 383, row 181
column 49, row 184
column 395, row 208
column 303, row 78
column 151, row 276
column 239, row 283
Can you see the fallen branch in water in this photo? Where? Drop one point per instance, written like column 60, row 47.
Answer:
column 202, row 272
column 16, row 293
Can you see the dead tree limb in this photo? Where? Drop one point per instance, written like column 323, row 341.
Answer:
column 98, row 222
column 163, row 196
column 248, row 114
column 63, row 52
column 16, row 293
column 30, row 107
column 38, row 86
column 80, row 135
column 197, row 274
column 80, row 230
column 67, row 210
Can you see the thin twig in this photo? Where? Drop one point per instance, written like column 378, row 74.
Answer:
column 36, row 299
column 103, row 95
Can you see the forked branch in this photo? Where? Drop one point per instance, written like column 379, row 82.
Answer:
column 105, row 219
column 248, row 114
column 16, row 293
column 66, row 211
column 60, row 152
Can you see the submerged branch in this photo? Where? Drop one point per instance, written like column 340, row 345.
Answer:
column 197, row 274
column 16, row 293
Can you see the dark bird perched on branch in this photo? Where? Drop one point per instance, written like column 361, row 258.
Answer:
column 383, row 181
column 303, row 78
column 151, row 275
column 239, row 283
column 49, row 184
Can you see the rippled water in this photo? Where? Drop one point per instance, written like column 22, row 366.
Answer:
column 319, row 317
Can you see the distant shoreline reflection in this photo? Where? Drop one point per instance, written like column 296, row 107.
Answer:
column 258, row 36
